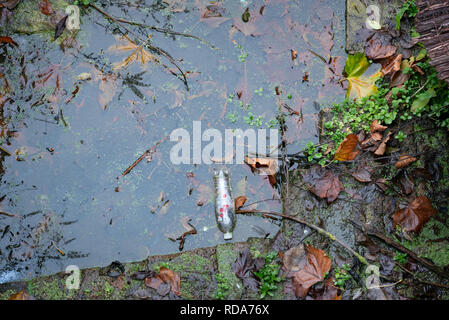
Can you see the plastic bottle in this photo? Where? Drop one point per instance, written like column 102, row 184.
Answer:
column 224, row 204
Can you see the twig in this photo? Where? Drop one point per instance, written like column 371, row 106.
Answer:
column 157, row 29
column 401, row 248
column 5, row 151
column 59, row 250
column 10, row 214
column 182, row 237
column 415, row 277
column 310, row 225
column 148, row 152
column 154, row 49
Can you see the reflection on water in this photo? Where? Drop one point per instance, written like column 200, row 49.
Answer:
column 76, row 121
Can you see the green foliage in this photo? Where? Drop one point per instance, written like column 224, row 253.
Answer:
column 83, row 2
column 408, row 8
column 400, row 136
column 342, row 275
column 400, row 258
column 222, row 287
column 269, row 275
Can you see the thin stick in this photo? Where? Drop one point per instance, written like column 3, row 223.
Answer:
column 401, row 248
column 148, row 152
column 59, row 250
column 310, row 225
column 10, row 214
column 157, row 29
column 156, row 50
column 5, row 151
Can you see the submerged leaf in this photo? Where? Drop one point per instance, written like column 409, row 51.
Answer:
column 139, row 54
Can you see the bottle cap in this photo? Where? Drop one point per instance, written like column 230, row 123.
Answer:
column 227, row 235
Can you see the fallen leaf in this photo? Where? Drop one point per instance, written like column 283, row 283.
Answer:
column 138, row 54
column 60, row 27
column 379, row 47
column 45, row 7
column 314, row 271
column 360, row 86
column 21, row 295
column 347, row 151
column 404, row 161
column 413, row 217
column 362, row 174
column 265, row 166
column 376, row 126
column 239, row 202
column 169, row 276
column 6, row 39
column 383, row 145
column 422, row 100
column 294, row 259
column 245, row 266
column 391, row 66
column 323, row 183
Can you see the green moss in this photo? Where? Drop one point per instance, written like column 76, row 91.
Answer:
column 226, row 255
column 5, row 295
column 28, row 18
column 49, row 288
column 426, row 246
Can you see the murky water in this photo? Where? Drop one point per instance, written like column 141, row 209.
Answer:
column 71, row 139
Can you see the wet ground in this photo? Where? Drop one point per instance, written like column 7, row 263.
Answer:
column 70, row 139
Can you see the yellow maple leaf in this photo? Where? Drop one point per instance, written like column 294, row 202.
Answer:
column 138, row 54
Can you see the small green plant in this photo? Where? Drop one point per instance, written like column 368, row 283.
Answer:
column 258, row 91
column 400, row 258
column 269, row 275
column 252, row 120
column 400, row 136
column 222, row 287
column 342, row 275
column 83, row 2
column 315, row 153
column 162, row 264
column 408, row 8
column 232, row 116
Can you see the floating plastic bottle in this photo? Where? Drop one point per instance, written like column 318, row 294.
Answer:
column 224, row 204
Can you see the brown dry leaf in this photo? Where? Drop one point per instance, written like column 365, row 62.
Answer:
column 169, row 276
column 404, row 161
column 138, row 54
column 391, row 65
column 376, row 136
column 294, row 259
column 323, row 183
column 6, row 39
column 21, row 295
column 315, row 269
column 45, row 7
column 239, row 202
column 376, row 126
column 415, row 215
column 330, row 291
column 379, row 47
column 265, row 166
column 383, row 146
column 153, row 282
column 119, row 282
column 363, row 174
column 347, row 149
